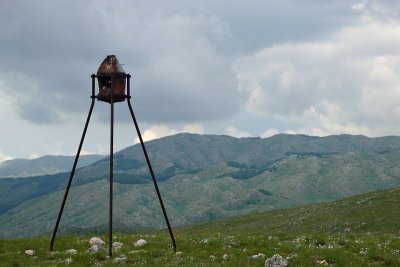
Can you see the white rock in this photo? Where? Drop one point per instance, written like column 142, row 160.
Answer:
column 71, row 251
column 322, row 262
column 96, row 248
column 137, row 251
column 140, row 243
column 117, row 245
column 179, row 253
column 30, row 252
column 291, row 256
column 225, row 257
column 213, row 258
column 68, row 261
column 276, row 261
column 96, row 241
column 259, row 255
column 120, row 260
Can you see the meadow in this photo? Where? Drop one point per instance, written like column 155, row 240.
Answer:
column 361, row 230
column 211, row 250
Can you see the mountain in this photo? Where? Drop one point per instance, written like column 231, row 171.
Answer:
column 43, row 165
column 203, row 177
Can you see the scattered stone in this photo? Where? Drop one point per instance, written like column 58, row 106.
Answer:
column 140, row 243
column 120, row 260
column 30, row 252
column 137, row 251
column 117, row 245
column 68, row 261
column 323, row 262
column 71, row 251
column 179, row 253
column 96, row 241
column 204, row 241
column 259, row 255
column 225, row 257
column 96, row 248
column 213, row 258
column 276, row 261
column 291, row 256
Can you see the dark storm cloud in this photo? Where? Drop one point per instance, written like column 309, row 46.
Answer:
column 180, row 54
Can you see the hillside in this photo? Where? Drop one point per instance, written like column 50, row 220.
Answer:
column 373, row 213
column 202, row 178
column 361, row 230
column 43, row 166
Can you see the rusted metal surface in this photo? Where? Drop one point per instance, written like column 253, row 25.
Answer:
column 109, row 69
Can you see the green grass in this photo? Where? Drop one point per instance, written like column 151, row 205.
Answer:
column 373, row 213
column 358, row 231
column 198, row 249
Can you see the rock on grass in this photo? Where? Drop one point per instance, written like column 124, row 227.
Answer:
column 120, row 260
column 117, row 245
column 96, row 248
column 71, row 251
column 96, row 241
column 276, row 261
column 140, row 243
column 259, row 255
column 29, row 252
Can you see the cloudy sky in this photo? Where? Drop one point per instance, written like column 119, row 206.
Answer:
column 242, row 68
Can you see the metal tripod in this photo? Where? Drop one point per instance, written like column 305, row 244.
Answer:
column 128, row 97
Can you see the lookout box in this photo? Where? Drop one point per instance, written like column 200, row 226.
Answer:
column 111, row 77
column 112, row 81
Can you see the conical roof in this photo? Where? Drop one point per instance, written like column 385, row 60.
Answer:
column 110, row 65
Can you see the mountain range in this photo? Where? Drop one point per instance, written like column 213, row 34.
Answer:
column 201, row 178
column 43, row 165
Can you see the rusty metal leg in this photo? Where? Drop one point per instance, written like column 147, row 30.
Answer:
column 73, row 168
column 150, row 169
column 110, row 222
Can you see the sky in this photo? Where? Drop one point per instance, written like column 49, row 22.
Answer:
column 239, row 68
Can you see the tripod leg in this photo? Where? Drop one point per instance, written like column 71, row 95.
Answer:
column 110, row 221
column 71, row 176
column 152, row 175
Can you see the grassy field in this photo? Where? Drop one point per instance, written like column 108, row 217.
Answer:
column 209, row 250
column 357, row 231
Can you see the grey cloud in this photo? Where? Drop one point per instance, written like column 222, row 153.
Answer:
column 344, row 83
column 180, row 53
column 61, row 44
column 37, row 113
